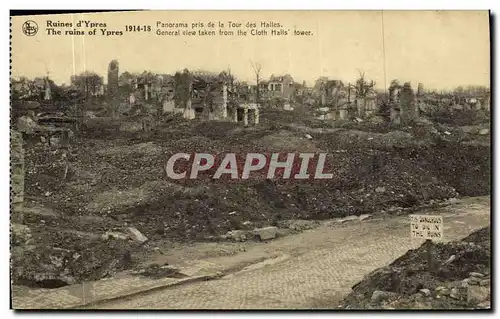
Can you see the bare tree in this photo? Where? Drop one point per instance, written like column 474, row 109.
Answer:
column 230, row 78
column 257, row 67
column 362, row 87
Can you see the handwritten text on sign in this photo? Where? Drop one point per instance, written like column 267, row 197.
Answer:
column 426, row 226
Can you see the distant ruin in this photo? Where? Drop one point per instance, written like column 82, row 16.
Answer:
column 408, row 112
column 112, row 92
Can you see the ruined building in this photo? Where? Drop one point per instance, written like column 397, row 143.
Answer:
column 196, row 95
column 365, row 97
column 333, row 99
column 329, row 91
column 394, row 92
column 408, row 109
column 248, row 113
column 366, row 105
column 166, row 95
column 210, row 97
column 112, row 94
column 394, row 102
column 201, row 96
column 281, row 86
column 183, row 94
column 339, row 101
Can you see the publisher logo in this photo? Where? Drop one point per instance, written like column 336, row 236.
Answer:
column 30, row 28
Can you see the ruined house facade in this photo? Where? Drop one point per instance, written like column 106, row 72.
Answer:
column 209, row 97
column 280, row 86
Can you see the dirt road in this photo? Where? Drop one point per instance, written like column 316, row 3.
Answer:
column 314, row 269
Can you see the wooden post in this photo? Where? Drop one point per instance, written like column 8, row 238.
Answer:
column 430, row 255
column 428, row 227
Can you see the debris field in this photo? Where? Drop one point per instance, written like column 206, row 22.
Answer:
column 117, row 198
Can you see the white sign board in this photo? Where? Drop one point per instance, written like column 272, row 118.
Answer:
column 426, row 226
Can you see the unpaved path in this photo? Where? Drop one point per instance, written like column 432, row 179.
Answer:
column 314, row 269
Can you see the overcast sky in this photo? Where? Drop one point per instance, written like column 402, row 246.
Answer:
column 439, row 49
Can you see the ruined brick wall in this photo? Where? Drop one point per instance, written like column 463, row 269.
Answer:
column 16, row 171
column 112, row 92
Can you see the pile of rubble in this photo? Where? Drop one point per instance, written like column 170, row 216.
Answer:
column 81, row 260
column 70, row 257
column 462, row 279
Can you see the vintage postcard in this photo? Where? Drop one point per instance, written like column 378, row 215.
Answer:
column 251, row 160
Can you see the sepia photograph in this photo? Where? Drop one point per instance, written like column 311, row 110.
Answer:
column 250, row 160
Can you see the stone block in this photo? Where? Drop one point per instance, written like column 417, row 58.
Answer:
column 136, row 235
column 237, row 235
column 266, row 233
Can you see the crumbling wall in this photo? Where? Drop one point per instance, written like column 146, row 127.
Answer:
column 370, row 105
column 209, row 96
column 217, row 102
column 183, row 93
column 17, row 174
column 113, row 96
